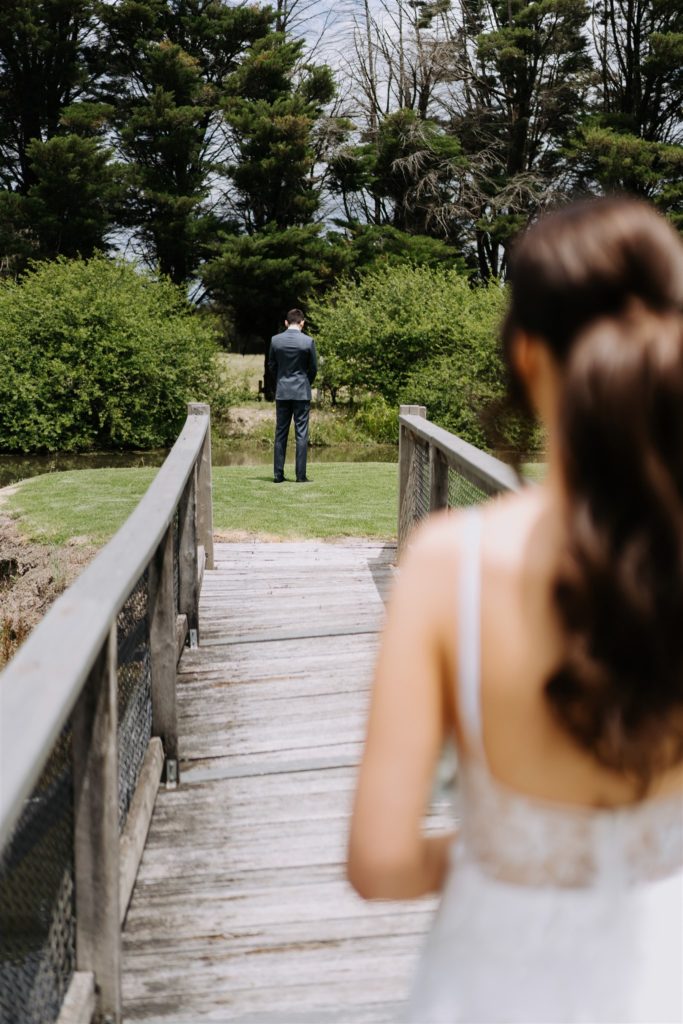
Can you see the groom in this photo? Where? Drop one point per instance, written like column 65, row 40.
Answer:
column 293, row 362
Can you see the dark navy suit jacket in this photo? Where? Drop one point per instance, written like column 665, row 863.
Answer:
column 294, row 363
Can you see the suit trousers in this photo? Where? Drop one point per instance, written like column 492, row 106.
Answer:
column 284, row 411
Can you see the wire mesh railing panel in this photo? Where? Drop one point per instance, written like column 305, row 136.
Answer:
column 415, row 499
column 461, row 492
column 421, row 478
column 134, row 692
column 37, row 916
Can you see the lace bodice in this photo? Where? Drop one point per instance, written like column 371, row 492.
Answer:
column 528, row 841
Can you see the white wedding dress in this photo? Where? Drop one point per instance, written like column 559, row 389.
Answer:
column 551, row 912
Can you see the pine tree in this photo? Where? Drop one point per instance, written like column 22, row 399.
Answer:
column 59, row 186
column 275, row 103
column 407, row 173
column 45, row 65
column 170, row 64
column 632, row 141
column 525, row 76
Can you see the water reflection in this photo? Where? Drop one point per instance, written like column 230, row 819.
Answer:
column 19, row 467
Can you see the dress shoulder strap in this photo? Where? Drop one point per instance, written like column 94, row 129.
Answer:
column 469, row 633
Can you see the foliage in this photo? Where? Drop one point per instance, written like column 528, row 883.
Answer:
column 216, row 147
column 364, row 246
column 94, row 355
column 273, row 106
column 374, row 334
column 275, row 257
column 69, row 208
column 74, row 199
column 378, row 420
column 529, row 79
column 631, row 141
column 257, row 278
column 639, row 50
column 169, row 70
column 59, row 191
column 45, row 64
column 624, row 162
column 468, row 397
column 403, row 176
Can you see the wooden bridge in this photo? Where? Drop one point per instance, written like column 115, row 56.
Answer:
column 180, row 737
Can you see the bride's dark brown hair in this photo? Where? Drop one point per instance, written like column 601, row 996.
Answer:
column 601, row 283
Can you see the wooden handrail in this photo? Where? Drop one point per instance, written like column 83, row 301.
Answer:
column 65, row 645
column 67, row 671
column 445, row 450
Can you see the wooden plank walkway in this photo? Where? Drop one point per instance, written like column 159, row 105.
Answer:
column 241, row 911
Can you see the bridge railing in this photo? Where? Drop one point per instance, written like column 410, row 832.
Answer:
column 88, row 728
column 439, row 470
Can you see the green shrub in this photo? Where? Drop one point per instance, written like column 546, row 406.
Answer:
column 96, row 354
column 468, row 398
column 378, row 420
column 416, row 335
column 453, row 395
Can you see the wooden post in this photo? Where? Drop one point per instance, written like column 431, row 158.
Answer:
column 438, row 479
column 204, row 486
column 162, row 641
column 96, row 819
column 406, row 447
column 188, row 583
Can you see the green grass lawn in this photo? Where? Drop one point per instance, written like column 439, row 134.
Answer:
column 88, row 503
column 535, row 471
column 343, row 500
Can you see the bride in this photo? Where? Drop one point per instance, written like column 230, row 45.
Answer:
column 544, row 631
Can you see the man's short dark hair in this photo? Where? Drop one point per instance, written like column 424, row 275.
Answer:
column 295, row 316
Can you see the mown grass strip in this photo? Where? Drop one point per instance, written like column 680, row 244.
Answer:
column 343, row 500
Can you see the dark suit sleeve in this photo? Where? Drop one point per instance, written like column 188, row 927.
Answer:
column 313, row 363
column 272, row 359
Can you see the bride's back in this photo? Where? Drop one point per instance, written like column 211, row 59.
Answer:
column 522, row 642
column 583, row 599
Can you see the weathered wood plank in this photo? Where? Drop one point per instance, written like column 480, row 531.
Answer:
column 357, row 627
column 180, row 635
column 487, row 473
column 162, row 632
column 331, row 755
column 132, row 841
column 367, row 1013
column 204, row 485
column 79, row 1002
column 293, row 1003
column 188, row 565
column 96, row 832
column 241, row 911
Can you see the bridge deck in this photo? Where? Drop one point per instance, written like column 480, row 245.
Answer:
column 241, row 911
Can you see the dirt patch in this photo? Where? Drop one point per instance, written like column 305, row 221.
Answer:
column 247, row 536
column 31, row 577
column 243, row 419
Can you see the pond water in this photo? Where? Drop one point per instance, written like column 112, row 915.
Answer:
column 224, row 453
